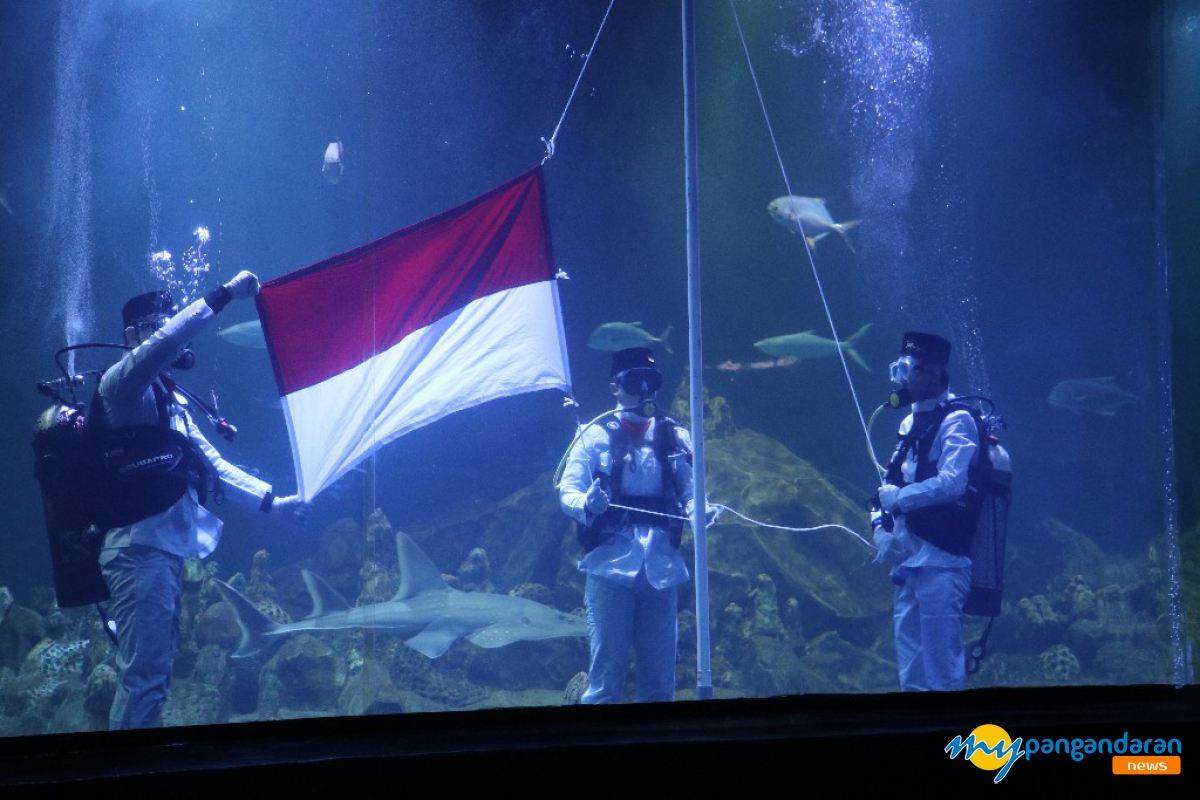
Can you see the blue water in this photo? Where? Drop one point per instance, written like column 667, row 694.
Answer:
column 1004, row 160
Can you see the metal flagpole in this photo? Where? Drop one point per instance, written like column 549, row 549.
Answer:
column 704, row 689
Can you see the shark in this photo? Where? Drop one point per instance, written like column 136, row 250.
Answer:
column 427, row 611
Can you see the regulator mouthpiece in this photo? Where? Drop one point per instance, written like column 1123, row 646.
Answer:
column 900, row 397
column 646, row 408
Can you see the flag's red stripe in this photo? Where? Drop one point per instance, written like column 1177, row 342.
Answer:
column 324, row 319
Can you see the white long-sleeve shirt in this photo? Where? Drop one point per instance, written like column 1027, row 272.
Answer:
column 127, row 397
column 954, row 447
column 635, row 546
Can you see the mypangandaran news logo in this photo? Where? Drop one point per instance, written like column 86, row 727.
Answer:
column 989, row 747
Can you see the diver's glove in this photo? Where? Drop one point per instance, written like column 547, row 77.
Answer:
column 711, row 512
column 888, row 497
column 888, row 547
column 291, row 507
column 244, row 284
column 596, row 501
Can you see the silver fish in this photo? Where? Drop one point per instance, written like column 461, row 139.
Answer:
column 245, row 334
column 613, row 336
column 1092, row 395
column 737, row 366
column 808, row 215
column 808, row 345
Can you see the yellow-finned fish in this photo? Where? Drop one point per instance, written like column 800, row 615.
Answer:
column 808, row 215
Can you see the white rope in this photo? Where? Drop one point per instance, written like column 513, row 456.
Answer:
column 720, row 508
column 850, row 531
column 807, row 248
column 587, row 58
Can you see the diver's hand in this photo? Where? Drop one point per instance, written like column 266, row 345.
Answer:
column 597, row 499
column 291, row 507
column 888, row 497
column 888, row 548
column 711, row 512
column 244, row 284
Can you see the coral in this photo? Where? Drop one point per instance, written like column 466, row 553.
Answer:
column 6, row 600
column 1038, row 611
column 101, row 688
column 193, row 571
column 340, row 550
column 306, row 672
column 718, row 414
column 217, row 625
column 371, row 691
column 48, row 665
column 1059, row 664
column 733, row 621
column 575, row 689
column 380, row 539
column 793, row 619
column 1082, row 599
column 379, row 583
column 472, row 574
column 260, row 586
column 766, row 620
column 413, row 672
column 22, row 629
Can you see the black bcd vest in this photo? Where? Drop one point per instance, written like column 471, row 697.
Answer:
column 667, row 448
column 951, row 525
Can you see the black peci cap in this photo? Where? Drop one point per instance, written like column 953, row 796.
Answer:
column 926, row 347
column 150, row 304
column 632, row 357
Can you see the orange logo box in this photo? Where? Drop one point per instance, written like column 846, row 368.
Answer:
column 1146, row 765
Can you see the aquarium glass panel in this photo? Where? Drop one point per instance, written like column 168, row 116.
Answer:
column 463, row 216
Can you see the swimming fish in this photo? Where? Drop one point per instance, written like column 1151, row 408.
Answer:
column 613, row 336
column 809, row 216
column 332, row 168
column 4, row 199
column 1094, row 395
column 808, row 345
column 737, row 366
column 245, row 334
column 426, row 611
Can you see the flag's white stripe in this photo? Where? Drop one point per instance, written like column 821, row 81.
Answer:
column 505, row 344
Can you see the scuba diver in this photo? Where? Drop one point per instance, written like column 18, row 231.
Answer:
column 925, row 516
column 626, row 483
column 159, row 470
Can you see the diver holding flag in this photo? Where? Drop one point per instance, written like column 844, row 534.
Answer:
column 159, row 469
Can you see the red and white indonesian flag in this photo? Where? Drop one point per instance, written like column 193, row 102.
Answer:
column 435, row 318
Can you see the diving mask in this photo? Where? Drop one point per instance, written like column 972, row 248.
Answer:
column 640, row 381
column 901, row 370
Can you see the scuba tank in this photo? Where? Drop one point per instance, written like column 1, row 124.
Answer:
column 93, row 478
column 66, row 468
column 990, row 540
column 991, row 533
